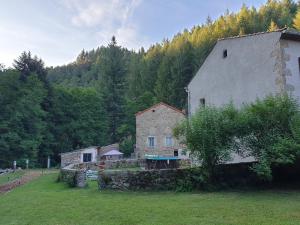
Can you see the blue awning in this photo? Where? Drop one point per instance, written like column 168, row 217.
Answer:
column 162, row 158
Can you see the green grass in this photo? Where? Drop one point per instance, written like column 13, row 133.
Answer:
column 5, row 178
column 45, row 202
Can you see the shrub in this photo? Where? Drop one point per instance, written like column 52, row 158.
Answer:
column 270, row 132
column 209, row 135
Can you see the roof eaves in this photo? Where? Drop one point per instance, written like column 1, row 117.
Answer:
column 158, row 104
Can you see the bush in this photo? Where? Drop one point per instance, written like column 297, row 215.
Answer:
column 67, row 176
column 269, row 131
column 209, row 135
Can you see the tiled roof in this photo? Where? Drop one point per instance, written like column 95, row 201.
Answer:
column 158, row 104
column 113, row 152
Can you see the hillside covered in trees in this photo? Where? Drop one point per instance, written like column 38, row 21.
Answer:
column 92, row 101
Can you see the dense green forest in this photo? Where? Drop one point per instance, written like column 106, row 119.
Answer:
column 92, row 101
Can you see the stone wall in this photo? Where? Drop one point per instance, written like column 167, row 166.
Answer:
column 124, row 163
column 69, row 158
column 111, row 164
column 87, row 166
column 169, row 179
column 73, row 177
column 187, row 179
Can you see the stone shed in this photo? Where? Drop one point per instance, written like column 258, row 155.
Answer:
column 79, row 156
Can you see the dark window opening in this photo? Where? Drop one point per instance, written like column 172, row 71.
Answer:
column 202, row 102
column 151, row 142
column 175, row 153
column 299, row 63
column 225, row 53
column 87, row 157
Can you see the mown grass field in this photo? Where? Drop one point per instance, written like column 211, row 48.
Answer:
column 44, row 201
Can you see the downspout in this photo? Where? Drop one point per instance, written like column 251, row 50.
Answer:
column 189, row 101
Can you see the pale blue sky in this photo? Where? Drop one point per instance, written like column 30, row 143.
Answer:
column 57, row 30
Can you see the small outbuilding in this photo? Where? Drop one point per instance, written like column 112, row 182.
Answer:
column 85, row 155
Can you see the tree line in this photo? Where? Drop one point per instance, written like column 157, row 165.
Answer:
column 92, row 101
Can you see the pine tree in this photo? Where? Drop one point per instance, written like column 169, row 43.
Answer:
column 27, row 64
column 113, row 87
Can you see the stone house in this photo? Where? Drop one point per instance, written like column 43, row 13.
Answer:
column 243, row 68
column 154, row 131
column 84, row 155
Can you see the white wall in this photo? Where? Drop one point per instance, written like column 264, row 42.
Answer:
column 91, row 150
column 250, row 70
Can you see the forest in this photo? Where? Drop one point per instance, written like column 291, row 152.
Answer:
column 93, row 100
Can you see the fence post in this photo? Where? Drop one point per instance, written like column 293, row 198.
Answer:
column 48, row 162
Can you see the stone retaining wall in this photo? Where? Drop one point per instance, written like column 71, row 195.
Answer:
column 70, row 158
column 73, row 177
column 168, row 179
column 87, row 166
column 183, row 179
column 124, row 163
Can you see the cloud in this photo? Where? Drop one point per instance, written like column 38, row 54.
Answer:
column 108, row 18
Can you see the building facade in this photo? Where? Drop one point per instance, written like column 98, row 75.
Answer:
column 154, row 131
column 244, row 68
column 241, row 69
column 79, row 156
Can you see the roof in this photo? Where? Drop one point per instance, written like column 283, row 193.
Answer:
column 79, row 150
column 253, row 34
column 159, row 104
column 286, row 33
column 113, row 152
column 289, row 34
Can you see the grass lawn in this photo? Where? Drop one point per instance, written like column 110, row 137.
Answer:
column 4, row 178
column 45, row 202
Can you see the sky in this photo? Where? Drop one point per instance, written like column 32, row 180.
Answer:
column 57, row 30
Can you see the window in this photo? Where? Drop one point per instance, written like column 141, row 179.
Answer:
column 87, row 157
column 176, row 153
column 202, row 102
column 299, row 63
column 225, row 53
column 151, row 142
column 169, row 141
